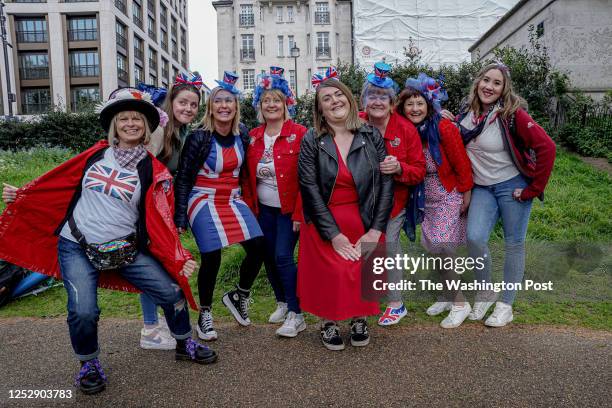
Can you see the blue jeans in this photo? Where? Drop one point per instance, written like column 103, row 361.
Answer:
column 488, row 205
column 81, row 283
column 280, row 264
column 149, row 310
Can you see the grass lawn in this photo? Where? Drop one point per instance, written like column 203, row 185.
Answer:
column 578, row 207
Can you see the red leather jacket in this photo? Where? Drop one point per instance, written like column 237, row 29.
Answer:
column 27, row 225
column 402, row 141
column 456, row 168
column 286, row 153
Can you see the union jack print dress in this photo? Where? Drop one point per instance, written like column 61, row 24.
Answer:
column 217, row 214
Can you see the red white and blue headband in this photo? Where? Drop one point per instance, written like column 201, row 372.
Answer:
column 190, row 79
column 330, row 73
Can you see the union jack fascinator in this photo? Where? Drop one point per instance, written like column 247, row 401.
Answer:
column 274, row 80
column 229, row 82
column 430, row 88
column 191, row 79
column 317, row 79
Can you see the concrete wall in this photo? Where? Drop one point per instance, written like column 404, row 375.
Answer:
column 577, row 34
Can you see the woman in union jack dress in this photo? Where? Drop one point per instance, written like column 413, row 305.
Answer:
column 209, row 199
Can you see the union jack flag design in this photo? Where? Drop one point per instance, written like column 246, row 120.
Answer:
column 112, row 182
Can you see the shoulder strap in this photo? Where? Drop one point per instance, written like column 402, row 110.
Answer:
column 76, row 232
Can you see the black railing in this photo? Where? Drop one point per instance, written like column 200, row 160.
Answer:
column 164, row 46
column 31, row 36
column 247, row 54
column 34, row 73
column 151, row 5
column 165, row 73
column 321, row 17
column 78, row 71
column 83, row 35
column 175, row 54
column 120, row 4
column 152, row 64
column 184, row 62
column 138, row 53
column 323, row 52
column 121, row 41
column 122, row 74
column 152, row 35
column 247, row 20
column 137, row 20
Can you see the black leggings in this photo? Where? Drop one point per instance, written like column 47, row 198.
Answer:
column 211, row 262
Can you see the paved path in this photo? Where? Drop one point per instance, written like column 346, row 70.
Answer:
column 404, row 366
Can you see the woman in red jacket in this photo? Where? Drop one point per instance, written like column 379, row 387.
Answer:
column 446, row 187
column 512, row 158
column 404, row 161
column 105, row 218
column 272, row 192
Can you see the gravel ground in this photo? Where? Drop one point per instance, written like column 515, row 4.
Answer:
column 403, row 366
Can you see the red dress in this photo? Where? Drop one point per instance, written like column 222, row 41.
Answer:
column 328, row 285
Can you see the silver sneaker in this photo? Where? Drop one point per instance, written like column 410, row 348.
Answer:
column 501, row 316
column 438, row 308
column 481, row 305
column 294, row 323
column 279, row 315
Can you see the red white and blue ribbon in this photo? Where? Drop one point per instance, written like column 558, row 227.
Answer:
column 330, row 73
column 194, row 80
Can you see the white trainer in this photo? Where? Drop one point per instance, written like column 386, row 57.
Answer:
column 438, row 308
column 294, row 323
column 157, row 338
column 480, row 309
column 456, row 316
column 278, row 316
column 501, row 316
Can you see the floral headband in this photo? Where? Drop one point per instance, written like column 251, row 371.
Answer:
column 431, row 89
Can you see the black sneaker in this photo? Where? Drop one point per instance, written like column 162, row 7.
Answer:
column 91, row 378
column 359, row 333
column 330, row 336
column 205, row 328
column 196, row 352
column 238, row 303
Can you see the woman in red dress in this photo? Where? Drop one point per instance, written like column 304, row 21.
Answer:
column 346, row 202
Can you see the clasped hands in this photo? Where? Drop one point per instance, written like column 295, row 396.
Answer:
column 350, row 252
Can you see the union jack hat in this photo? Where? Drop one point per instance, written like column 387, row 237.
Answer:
column 274, row 80
column 127, row 99
column 229, row 82
column 380, row 76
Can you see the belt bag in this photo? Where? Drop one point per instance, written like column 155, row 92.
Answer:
column 108, row 255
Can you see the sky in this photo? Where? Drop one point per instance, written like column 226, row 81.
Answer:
column 203, row 39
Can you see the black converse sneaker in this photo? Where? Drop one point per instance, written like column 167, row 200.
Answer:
column 238, row 303
column 359, row 333
column 205, row 328
column 330, row 336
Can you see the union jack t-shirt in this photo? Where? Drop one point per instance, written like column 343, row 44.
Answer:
column 108, row 206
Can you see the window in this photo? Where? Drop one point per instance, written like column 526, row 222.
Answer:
column 84, row 64
column 247, row 49
column 151, row 6
column 83, row 97
column 292, row 79
column 165, row 70
column 248, row 79
column 174, row 49
column 308, row 44
column 32, row 30
column 247, row 18
column 122, row 73
column 164, row 40
column 279, row 14
column 262, row 45
column 323, row 48
column 152, row 79
column 138, row 77
column 291, row 42
column 152, row 59
column 183, row 39
column 120, row 4
column 35, row 100
column 540, row 30
column 290, row 17
column 34, row 66
column 151, row 28
column 309, row 75
column 137, row 13
column 322, row 13
column 138, row 48
column 82, row 29
column 163, row 15
column 121, row 32
column 280, row 52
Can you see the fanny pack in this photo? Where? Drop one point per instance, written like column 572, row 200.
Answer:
column 108, row 255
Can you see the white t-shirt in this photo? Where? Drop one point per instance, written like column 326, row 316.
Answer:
column 267, row 187
column 108, row 206
column 491, row 161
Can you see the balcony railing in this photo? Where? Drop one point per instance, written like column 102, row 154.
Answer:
column 122, row 74
column 247, row 54
column 29, row 1
column 323, row 52
column 34, row 73
column 121, row 41
column 137, row 20
column 184, row 62
column 247, row 20
column 321, row 17
column 164, row 45
column 165, row 74
column 163, row 21
column 31, row 36
column 152, row 64
column 138, row 54
column 175, row 54
column 83, row 35
column 151, row 5
column 120, row 4
column 34, row 108
column 79, row 71
column 152, row 35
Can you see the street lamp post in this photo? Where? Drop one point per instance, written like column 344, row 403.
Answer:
column 9, row 94
column 295, row 54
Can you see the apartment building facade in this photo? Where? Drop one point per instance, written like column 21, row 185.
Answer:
column 71, row 53
column 256, row 34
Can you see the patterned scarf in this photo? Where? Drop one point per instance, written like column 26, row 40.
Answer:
column 129, row 158
column 479, row 123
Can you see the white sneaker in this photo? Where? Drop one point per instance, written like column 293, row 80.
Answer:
column 456, row 316
column 480, row 309
column 157, row 338
column 501, row 316
column 294, row 323
column 279, row 314
column 438, row 308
